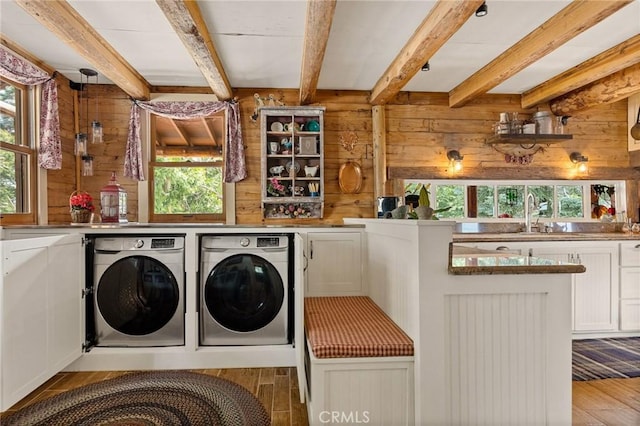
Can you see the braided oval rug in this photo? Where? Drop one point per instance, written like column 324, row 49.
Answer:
column 148, row 398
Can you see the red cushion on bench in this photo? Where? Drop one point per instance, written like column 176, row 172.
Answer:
column 351, row 327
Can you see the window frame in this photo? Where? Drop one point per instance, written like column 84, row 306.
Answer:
column 24, row 131
column 182, row 217
column 586, row 200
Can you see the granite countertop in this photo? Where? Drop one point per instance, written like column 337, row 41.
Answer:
column 541, row 236
column 465, row 260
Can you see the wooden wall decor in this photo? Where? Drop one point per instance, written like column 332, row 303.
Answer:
column 350, row 173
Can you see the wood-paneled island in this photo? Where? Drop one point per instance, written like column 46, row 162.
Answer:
column 489, row 348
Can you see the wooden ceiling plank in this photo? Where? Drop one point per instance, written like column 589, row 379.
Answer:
column 612, row 60
column 63, row 21
column 207, row 127
column 444, row 19
column 574, row 19
column 316, row 35
column 181, row 133
column 187, row 21
column 615, row 87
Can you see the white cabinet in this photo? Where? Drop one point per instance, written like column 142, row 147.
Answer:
column 595, row 292
column 630, row 286
column 41, row 319
column 334, row 264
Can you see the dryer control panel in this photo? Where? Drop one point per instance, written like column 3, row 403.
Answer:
column 268, row 242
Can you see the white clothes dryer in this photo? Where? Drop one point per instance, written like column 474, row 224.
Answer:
column 138, row 294
column 245, row 290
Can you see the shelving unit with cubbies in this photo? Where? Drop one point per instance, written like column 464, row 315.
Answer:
column 292, row 162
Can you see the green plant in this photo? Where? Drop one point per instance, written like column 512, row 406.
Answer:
column 423, row 197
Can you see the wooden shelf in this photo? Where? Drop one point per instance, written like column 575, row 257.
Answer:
column 527, row 139
column 303, row 148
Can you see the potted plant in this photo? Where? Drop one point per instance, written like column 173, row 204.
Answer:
column 424, row 210
column 81, row 207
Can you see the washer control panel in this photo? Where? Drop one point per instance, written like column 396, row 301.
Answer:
column 268, row 242
column 163, row 242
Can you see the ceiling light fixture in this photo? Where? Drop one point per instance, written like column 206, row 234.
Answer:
column 455, row 161
column 482, row 10
column 96, row 127
column 426, row 66
column 580, row 162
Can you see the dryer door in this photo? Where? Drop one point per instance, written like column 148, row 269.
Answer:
column 137, row 295
column 244, row 292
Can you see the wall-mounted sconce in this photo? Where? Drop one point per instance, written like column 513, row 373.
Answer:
column 455, row 161
column 482, row 10
column 580, row 162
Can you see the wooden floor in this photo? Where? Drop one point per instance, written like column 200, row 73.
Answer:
column 276, row 388
column 611, row 402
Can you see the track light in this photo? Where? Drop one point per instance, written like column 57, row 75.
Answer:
column 482, row 10
column 426, row 66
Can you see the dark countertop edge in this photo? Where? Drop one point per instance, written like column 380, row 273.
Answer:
column 516, row 270
column 565, row 268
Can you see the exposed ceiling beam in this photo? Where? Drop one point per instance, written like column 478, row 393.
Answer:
column 63, row 21
column 181, row 133
column 187, row 21
column 316, row 35
column 207, row 127
column 577, row 17
column 444, row 19
column 615, row 87
column 615, row 59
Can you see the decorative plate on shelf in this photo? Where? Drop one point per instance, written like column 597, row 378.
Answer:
column 277, row 126
column 295, row 166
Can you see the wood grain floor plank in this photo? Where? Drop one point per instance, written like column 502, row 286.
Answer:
column 582, row 418
column 281, row 389
column 265, row 395
column 267, row 375
column 298, row 410
column 626, row 391
column 611, row 402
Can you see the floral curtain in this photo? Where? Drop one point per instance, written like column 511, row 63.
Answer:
column 18, row 69
column 235, row 167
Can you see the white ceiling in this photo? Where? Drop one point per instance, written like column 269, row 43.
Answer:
column 260, row 42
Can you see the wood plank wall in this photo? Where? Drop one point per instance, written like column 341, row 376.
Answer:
column 420, row 129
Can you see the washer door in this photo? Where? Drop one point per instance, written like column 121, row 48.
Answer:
column 244, row 292
column 137, row 295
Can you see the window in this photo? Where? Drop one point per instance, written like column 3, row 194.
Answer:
column 505, row 200
column 17, row 156
column 186, row 169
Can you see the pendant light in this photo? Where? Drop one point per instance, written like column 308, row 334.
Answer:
column 81, row 137
column 96, row 126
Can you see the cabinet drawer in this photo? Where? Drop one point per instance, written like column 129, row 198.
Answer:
column 630, row 315
column 630, row 283
column 630, row 253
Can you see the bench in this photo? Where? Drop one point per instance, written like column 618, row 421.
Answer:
column 358, row 363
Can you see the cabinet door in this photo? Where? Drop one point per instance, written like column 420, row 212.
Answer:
column 335, row 266
column 595, row 292
column 41, row 315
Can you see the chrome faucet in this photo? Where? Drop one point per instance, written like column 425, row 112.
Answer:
column 530, row 205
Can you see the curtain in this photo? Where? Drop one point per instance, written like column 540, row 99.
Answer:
column 18, row 69
column 235, row 167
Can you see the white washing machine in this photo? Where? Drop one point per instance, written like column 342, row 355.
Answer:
column 138, row 294
column 244, row 290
